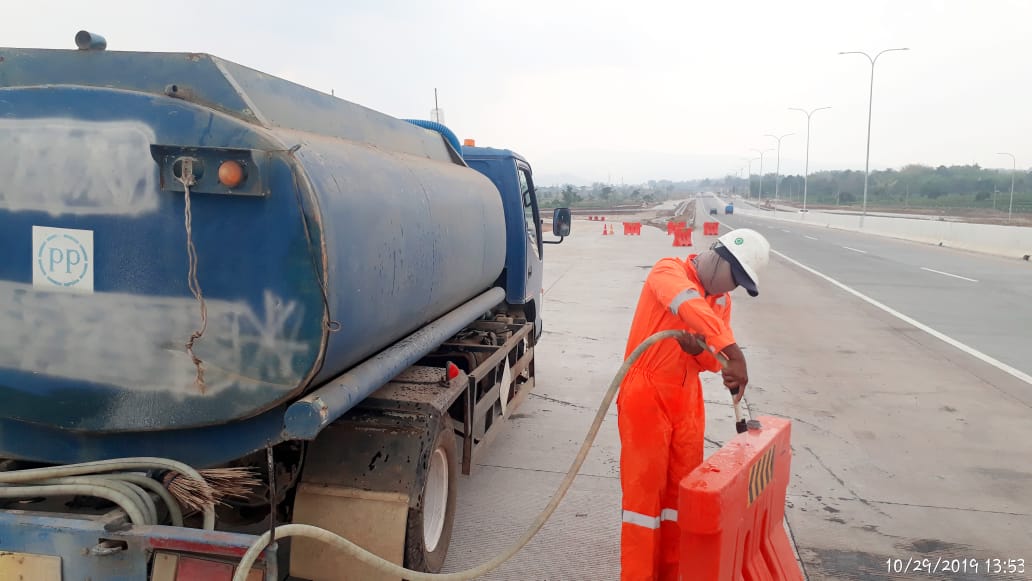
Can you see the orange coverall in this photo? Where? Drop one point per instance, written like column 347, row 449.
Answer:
column 661, row 414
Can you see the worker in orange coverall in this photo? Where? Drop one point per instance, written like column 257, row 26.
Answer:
column 661, row 411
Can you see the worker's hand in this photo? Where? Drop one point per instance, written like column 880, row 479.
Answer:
column 736, row 375
column 735, row 372
column 690, row 343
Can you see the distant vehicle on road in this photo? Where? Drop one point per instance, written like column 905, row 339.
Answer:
column 729, row 209
column 713, row 211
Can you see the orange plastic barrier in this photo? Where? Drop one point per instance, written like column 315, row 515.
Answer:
column 732, row 507
column 632, row 228
column 711, row 228
column 603, row 218
column 683, row 237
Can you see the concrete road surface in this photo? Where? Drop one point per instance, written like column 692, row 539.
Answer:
column 904, row 446
column 982, row 301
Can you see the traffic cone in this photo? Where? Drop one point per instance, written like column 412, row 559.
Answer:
column 611, row 230
column 605, row 231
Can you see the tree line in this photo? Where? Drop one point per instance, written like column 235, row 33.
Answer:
column 960, row 186
column 912, row 185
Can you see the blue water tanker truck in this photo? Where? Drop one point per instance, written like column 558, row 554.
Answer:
column 229, row 302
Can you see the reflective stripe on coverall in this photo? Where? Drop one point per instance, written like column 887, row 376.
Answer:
column 661, row 414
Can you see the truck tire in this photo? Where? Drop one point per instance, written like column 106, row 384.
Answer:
column 430, row 523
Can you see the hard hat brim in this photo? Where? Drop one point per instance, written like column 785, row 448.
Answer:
column 744, row 276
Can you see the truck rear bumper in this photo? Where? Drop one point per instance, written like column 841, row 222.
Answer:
column 66, row 548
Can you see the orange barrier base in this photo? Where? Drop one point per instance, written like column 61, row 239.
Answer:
column 732, row 509
column 683, row 237
column 711, row 228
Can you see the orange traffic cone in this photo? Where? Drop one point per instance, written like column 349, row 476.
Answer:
column 611, row 230
column 605, row 230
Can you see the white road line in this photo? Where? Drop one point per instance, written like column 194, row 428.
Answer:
column 948, row 274
column 938, row 335
column 811, row 237
column 786, row 231
column 1017, row 373
column 855, row 250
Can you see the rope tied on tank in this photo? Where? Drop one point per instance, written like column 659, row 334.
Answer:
column 186, row 177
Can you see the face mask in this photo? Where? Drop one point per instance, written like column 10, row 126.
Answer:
column 714, row 273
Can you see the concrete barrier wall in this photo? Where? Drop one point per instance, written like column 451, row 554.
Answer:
column 1010, row 241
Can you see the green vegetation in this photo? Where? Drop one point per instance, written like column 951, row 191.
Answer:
column 914, row 186
column 606, row 195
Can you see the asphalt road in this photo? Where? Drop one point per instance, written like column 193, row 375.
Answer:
column 981, row 301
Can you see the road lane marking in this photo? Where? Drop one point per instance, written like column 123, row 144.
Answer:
column 948, row 274
column 786, row 231
column 937, row 334
column 1017, row 373
column 811, row 237
column 855, row 250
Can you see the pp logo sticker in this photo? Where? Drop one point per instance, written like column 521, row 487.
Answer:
column 62, row 258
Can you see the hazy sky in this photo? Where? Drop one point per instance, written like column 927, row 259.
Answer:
column 630, row 90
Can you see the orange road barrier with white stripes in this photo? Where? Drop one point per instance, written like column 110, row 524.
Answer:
column 732, row 508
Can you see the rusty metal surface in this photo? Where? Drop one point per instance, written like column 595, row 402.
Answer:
column 25, row 532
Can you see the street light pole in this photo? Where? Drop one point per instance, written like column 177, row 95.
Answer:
column 748, row 179
column 806, row 170
column 759, row 196
column 777, row 172
column 748, row 176
column 870, row 100
column 1014, row 170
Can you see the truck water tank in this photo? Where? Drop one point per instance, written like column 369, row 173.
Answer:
column 322, row 233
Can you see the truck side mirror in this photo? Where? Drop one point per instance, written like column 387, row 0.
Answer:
column 561, row 222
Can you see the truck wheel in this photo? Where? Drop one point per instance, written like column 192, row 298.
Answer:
column 430, row 524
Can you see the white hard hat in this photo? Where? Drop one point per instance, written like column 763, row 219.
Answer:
column 749, row 253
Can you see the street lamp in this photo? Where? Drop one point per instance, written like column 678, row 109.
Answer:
column 777, row 172
column 1014, row 170
column 759, row 196
column 748, row 176
column 806, row 171
column 870, row 99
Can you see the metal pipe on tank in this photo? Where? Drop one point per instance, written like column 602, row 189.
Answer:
column 87, row 40
column 305, row 418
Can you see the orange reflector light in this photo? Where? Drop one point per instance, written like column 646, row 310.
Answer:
column 231, row 174
column 469, row 143
column 453, row 370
